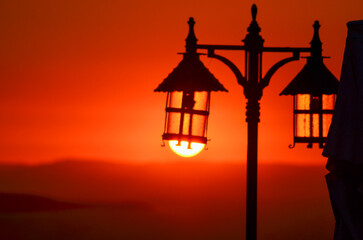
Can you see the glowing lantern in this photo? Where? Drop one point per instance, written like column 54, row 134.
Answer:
column 314, row 90
column 187, row 106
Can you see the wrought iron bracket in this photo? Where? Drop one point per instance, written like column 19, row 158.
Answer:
column 266, row 80
column 291, row 146
column 240, row 78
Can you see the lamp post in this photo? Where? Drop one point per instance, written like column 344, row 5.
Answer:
column 191, row 78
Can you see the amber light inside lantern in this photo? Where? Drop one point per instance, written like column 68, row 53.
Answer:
column 313, row 115
column 186, row 121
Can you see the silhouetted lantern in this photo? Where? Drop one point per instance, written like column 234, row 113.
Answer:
column 314, row 90
column 189, row 87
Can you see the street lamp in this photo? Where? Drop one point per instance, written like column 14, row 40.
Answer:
column 191, row 77
column 314, row 89
column 189, row 87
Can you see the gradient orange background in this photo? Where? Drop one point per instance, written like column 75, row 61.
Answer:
column 77, row 77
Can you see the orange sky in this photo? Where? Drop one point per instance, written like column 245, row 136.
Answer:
column 77, row 77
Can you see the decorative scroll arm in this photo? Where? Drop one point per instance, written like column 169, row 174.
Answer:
column 291, row 146
column 240, row 78
column 266, row 80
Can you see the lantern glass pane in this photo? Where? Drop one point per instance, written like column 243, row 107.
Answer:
column 327, row 118
column 328, row 101
column 201, row 101
column 173, row 121
column 302, row 102
column 176, row 99
column 302, row 125
column 198, row 125
column 186, row 124
column 315, row 125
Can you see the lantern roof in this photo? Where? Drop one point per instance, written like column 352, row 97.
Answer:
column 190, row 75
column 315, row 79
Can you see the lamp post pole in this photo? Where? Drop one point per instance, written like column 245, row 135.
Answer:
column 253, row 84
column 254, row 45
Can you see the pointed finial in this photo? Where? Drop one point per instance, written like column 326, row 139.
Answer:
column 254, row 12
column 316, row 38
column 253, row 39
column 315, row 43
column 316, row 27
column 191, row 22
column 191, row 40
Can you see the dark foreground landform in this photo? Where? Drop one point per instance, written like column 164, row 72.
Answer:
column 178, row 201
column 16, row 202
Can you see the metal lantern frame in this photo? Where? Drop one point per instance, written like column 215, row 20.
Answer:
column 180, row 121
column 186, row 117
column 316, row 84
column 317, row 117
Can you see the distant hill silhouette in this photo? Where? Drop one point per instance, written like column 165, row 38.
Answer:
column 15, row 202
column 179, row 200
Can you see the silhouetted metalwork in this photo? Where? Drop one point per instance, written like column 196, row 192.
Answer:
column 253, row 84
column 314, row 89
column 188, row 86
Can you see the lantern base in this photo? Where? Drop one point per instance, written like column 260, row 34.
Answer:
column 310, row 141
column 186, row 138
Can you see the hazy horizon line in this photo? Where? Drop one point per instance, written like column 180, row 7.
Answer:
column 63, row 160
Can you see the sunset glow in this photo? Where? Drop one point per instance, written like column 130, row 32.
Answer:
column 183, row 150
column 77, row 77
column 91, row 92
